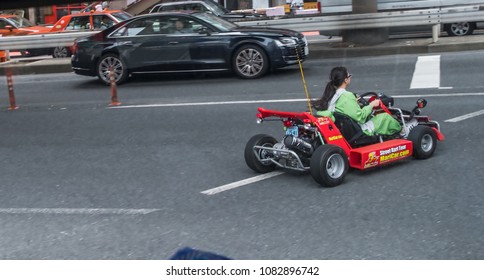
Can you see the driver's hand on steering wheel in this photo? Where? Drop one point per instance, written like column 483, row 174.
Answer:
column 375, row 103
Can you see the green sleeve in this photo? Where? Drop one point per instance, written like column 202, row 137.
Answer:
column 348, row 105
column 325, row 113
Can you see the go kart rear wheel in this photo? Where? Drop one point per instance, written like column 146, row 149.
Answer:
column 252, row 157
column 424, row 141
column 329, row 165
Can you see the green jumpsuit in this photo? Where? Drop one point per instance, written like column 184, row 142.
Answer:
column 345, row 102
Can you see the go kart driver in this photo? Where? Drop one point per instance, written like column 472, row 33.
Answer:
column 337, row 99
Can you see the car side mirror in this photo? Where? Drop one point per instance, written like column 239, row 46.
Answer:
column 9, row 27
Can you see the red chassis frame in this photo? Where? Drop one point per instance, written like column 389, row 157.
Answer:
column 359, row 158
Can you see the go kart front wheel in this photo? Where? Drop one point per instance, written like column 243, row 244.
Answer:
column 424, row 141
column 329, row 165
column 253, row 156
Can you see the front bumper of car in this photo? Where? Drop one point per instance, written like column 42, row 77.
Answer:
column 293, row 50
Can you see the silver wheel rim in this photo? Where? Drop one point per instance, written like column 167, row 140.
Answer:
column 110, row 63
column 335, row 166
column 264, row 154
column 60, row 52
column 460, row 29
column 427, row 143
column 249, row 62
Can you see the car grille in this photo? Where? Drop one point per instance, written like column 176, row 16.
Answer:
column 292, row 54
column 301, row 45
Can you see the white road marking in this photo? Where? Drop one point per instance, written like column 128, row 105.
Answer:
column 205, row 103
column 467, row 116
column 427, row 72
column 277, row 101
column 242, row 183
column 77, row 211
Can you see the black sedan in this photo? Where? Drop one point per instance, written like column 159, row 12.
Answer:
column 185, row 42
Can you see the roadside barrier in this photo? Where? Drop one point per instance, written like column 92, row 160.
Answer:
column 114, row 90
column 11, row 93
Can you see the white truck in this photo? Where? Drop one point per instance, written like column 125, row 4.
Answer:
column 461, row 28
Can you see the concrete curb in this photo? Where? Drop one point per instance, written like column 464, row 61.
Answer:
column 44, row 66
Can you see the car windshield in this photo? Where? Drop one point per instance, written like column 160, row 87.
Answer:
column 21, row 22
column 121, row 16
column 219, row 10
column 218, row 22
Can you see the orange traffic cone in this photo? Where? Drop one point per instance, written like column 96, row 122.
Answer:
column 11, row 94
column 114, row 90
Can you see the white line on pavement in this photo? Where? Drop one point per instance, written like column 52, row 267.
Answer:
column 242, row 183
column 427, row 72
column 278, row 101
column 205, row 103
column 81, row 211
column 467, row 116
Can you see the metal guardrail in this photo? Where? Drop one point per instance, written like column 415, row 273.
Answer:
column 47, row 40
column 433, row 17
column 352, row 21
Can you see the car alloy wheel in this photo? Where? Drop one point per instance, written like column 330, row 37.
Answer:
column 460, row 29
column 61, row 52
column 108, row 63
column 250, row 62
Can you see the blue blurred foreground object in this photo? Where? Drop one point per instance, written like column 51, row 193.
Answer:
column 193, row 254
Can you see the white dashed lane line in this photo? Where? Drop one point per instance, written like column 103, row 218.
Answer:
column 467, row 116
column 78, row 211
column 242, row 183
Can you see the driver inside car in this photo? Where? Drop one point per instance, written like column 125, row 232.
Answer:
column 337, row 99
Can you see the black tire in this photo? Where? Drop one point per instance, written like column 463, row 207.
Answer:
column 250, row 62
column 112, row 61
column 252, row 159
column 460, row 28
column 424, row 141
column 61, row 52
column 329, row 165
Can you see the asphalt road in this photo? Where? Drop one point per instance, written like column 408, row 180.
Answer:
column 83, row 180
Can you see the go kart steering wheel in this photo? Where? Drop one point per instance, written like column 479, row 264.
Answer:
column 372, row 96
column 363, row 101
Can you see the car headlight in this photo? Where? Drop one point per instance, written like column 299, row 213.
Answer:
column 286, row 42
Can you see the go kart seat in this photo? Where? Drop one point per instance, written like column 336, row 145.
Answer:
column 352, row 131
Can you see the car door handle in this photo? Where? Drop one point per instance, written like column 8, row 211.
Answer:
column 173, row 43
column 127, row 43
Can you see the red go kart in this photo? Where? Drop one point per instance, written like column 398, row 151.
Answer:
column 327, row 149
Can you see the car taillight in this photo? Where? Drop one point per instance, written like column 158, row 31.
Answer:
column 98, row 36
column 74, row 48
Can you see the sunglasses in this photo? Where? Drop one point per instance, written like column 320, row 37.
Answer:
column 349, row 76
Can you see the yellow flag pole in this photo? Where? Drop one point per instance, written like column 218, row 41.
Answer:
column 304, row 82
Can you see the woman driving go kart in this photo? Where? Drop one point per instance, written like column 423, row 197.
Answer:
column 337, row 99
column 345, row 132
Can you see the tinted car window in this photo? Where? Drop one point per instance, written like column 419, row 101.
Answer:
column 77, row 23
column 3, row 23
column 102, row 21
column 21, row 22
column 221, row 24
column 120, row 16
column 196, row 7
column 159, row 25
column 139, row 27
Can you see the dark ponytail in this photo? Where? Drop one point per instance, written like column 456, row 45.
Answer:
column 336, row 79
